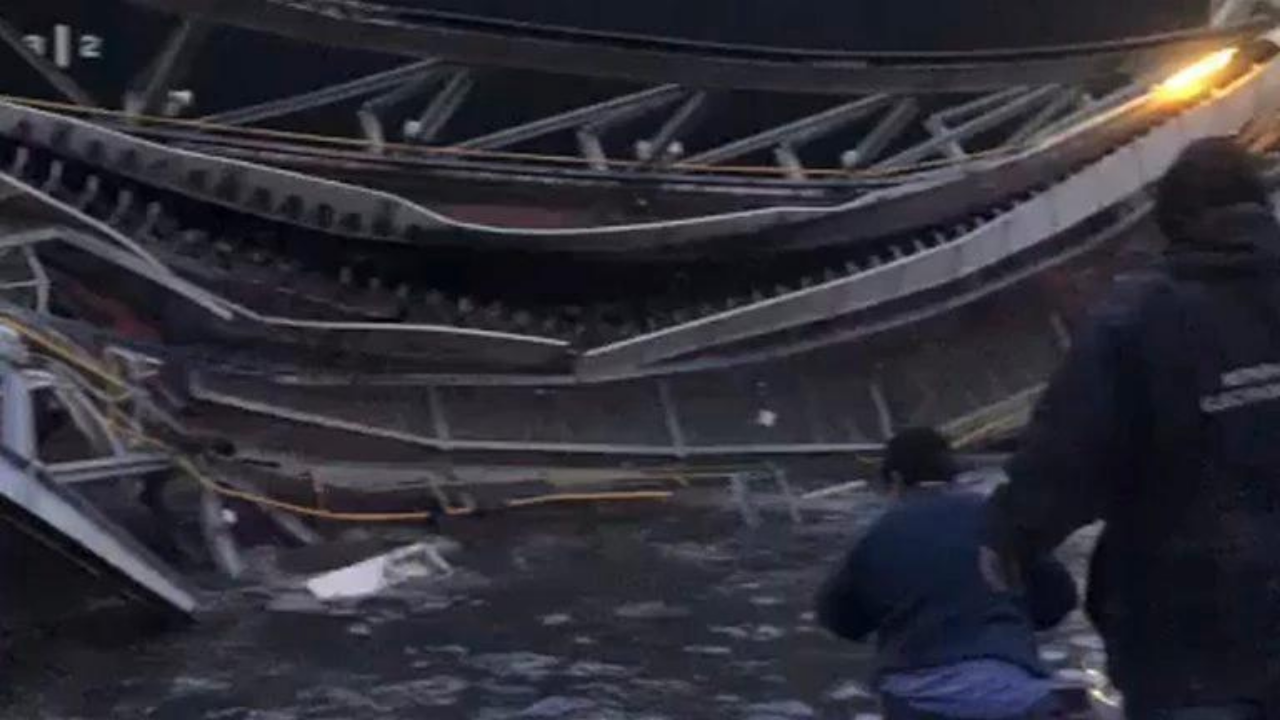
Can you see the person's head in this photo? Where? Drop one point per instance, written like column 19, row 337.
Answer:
column 916, row 456
column 1210, row 174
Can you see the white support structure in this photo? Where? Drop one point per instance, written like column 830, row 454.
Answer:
column 34, row 503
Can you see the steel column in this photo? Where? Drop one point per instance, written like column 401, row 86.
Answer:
column 883, row 134
column 171, row 62
column 681, row 119
column 442, row 108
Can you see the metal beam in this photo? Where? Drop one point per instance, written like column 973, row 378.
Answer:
column 794, row 133
column 370, row 113
column 686, row 115
column 789, row 161
column 170, row 64
column 571, row 119
column 592, row 149
column 442, row 108
column 874, row 143
column 323, row 96
column 109, row 468
column 979, row 124
column 60, row 81
column 1057, row 106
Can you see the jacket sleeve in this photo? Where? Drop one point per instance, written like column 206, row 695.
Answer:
column 1060, row 479
column 1051, row 592
column 843, row 606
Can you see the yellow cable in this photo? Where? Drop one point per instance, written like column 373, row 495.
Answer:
column 74, row 356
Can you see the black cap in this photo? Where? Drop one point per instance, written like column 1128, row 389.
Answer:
column 1210, row 174
column 919, row 455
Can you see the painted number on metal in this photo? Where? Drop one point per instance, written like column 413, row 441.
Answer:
column 65, row 45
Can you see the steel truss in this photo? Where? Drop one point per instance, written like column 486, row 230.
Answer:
column 671, row 127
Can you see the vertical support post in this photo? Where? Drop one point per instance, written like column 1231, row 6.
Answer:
column 442, row 108
column 787, row 492
column 17, row 418
column 438, row 418
column 169, row 65
column 789, row 161
column 739, row 486
column 217, row 535
column 883, row 414
column 672, row 416
column 593, row 150
column 41, row 279
column 682, row 117
column 874, row 143
column 1060, row 331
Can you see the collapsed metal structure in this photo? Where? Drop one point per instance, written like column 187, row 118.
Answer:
column 598, row 281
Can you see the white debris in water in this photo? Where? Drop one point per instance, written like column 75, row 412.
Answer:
column 868, row 716
column 557, row 706
column 457, row 650
column 360, row 630
column 435, row 691
column 497, row 688
column 697, row 552
column 185, row 684
column 664, row 686
column 556, row 619
column 766, row 418
column 339, row 698
column 707, row 650
column 531, row 666
column 850, row 690
column 767, row 601
column 780, row 709
column 756, row 633
column 376, row 574
column 655, row 610
column 593, row 669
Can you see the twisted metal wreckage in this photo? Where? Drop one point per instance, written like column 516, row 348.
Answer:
column 270, row 312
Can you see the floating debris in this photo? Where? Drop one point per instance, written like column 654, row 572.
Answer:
column 655, row 610
column 376, row 574
column 851, row 690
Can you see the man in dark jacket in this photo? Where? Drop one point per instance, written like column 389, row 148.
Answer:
column 1164, row 422
column 949, row 646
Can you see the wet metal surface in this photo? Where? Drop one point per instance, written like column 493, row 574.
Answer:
column 662, row 612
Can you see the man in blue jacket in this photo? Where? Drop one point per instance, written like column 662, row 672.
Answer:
column 949, row 645
column 1164, row 422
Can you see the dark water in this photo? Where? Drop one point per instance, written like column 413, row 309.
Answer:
column 663, row 612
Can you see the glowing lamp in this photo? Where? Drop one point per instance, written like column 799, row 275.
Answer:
column 1192, row 81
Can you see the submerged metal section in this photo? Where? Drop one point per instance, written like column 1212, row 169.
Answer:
column 34, row 503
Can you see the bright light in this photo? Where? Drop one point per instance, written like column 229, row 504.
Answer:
column 1191, row 81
